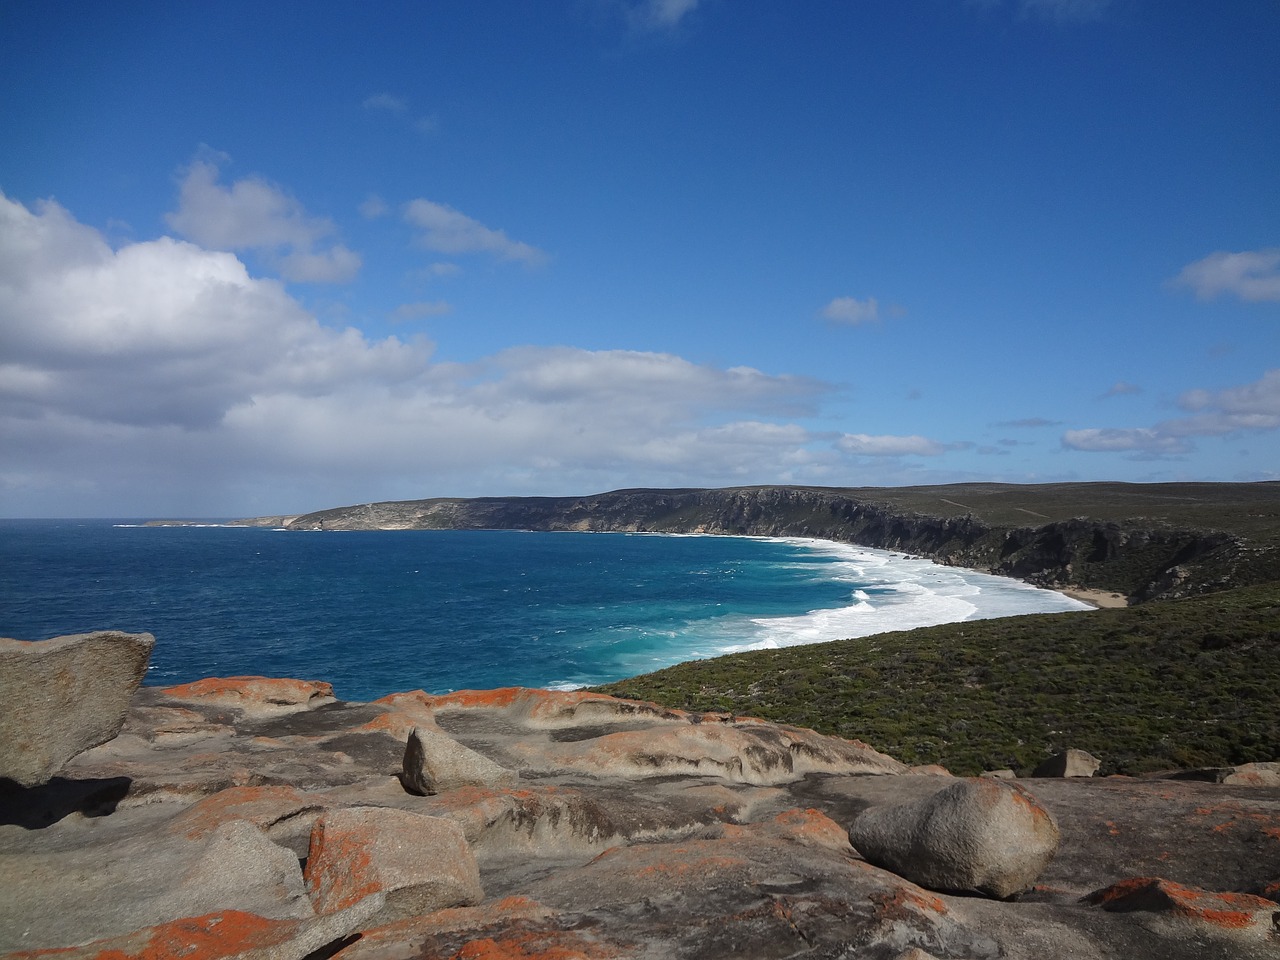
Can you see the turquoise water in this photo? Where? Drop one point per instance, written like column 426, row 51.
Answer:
column 381, row 611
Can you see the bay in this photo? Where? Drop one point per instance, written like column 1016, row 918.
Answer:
column 375, row 612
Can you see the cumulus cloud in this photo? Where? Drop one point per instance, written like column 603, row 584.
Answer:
column 853, row 312
column 865, row 445
column 163, row 366
column 255, row 215
column 1249, row 407
column 160, row 332
column 446, row 230
column 1252, row 275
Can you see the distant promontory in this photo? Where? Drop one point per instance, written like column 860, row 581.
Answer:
column 1137, row 541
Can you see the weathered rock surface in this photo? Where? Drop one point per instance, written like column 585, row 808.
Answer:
column 189, row 832
column 63, row 696
column 1068, row 763
column 255, row 696
column 976, row 836
column 420, row 864
column 1228, row 914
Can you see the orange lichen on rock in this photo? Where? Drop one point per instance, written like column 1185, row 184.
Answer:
column 339, row 872
column 207, row 937
column 500, row 699
column 377, row 942
column 1232, row 911
column 901, row 902
column 811, row 828
column 256, row 694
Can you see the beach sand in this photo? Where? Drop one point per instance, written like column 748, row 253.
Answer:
column 1099, row 598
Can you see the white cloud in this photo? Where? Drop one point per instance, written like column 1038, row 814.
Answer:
column 164, row 373
column 853, row 312
column 1250, row 407
column 1252, row 275
column 865, row 445
column 1113, row 440
column 1253, row 406
column 445, row 230
column 255, row 215
column 161, row 332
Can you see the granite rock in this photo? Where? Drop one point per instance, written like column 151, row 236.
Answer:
column 63, row 696
column 976, row 836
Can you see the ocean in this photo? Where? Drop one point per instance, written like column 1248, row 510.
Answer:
column 375, row 612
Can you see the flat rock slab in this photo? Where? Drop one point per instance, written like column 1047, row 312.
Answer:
column 731, row 840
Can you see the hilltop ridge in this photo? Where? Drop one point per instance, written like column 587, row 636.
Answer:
column 1143, row 541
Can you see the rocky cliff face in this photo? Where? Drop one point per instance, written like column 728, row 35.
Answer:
column 1141, row 559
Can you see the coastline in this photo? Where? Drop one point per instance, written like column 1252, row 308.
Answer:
column 1099, row 599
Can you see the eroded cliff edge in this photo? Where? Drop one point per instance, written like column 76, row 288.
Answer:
column 1144, row 541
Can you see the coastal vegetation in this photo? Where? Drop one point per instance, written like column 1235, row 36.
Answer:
column 1184, row 677
column 1184, row 683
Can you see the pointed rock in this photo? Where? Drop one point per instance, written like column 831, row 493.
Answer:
column 434, row 763
column 415, row 772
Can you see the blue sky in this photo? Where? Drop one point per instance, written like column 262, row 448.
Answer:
column 262, row 258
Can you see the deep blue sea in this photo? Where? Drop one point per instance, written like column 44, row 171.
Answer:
column 383, row 611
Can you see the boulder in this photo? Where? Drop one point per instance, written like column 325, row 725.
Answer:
column 1068, row 763
column 146, row 879
column 1254, row 775
column 975, row 836
column 63, row 696
column 420, row 863
column 434, row 762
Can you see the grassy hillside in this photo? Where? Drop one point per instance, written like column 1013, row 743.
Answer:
column 1177, row 684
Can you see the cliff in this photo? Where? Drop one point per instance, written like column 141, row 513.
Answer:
column 1150, row 541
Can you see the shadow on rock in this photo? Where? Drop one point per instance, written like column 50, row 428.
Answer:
column 34, row 808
